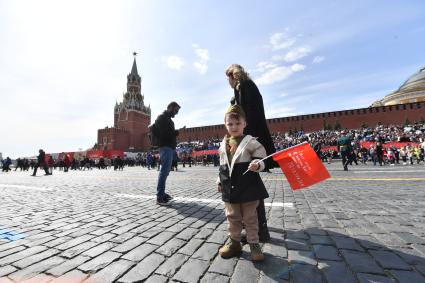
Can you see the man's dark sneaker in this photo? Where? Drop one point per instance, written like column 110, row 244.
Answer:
column 167, row 197
column 162, row 201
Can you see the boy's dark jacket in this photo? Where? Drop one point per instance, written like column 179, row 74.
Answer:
column 238, row 188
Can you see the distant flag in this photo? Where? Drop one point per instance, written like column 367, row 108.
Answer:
column 301, row 166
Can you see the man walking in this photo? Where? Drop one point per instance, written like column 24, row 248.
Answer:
column 344, row 146
column 166, row 134
column 41, row 162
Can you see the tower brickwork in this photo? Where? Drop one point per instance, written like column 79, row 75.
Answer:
column 131, row 119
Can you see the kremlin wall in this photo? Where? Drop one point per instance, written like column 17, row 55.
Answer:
column 132, row 117
column 350, row 119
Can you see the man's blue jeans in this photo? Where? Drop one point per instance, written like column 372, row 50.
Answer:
column 166, row 154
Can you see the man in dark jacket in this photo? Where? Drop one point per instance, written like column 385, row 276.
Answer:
column 41, row 162
column 167, row 136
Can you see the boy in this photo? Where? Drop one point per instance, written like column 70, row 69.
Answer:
column 240, row 192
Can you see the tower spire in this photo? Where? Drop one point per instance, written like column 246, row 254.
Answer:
column 134, row 68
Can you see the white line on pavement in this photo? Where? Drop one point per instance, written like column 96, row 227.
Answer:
column 25, row 187
column 203, row 200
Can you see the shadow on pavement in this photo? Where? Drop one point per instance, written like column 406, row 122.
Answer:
column 318, row 255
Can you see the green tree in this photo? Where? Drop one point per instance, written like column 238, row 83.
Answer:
column 365, row 126
column 337, row 125
column 406, row 122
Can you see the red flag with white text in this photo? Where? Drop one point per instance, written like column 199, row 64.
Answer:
column 301, row 166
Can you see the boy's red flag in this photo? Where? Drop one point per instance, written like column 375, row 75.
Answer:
column 301, row 166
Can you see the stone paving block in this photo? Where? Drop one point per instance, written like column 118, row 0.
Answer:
column 139, row 252
column 191, row 247
column 369, row 242
column 326, row 252
column 156, row 279
column 273, row 268
column 35, row 258
column 129, row 245
column 301, row 257
column 320, row 240
column 361, row 262
column 305, row 273
column 191, row 271
column 389, row 240
column 207, row 251
column 420, row 248
column 296, row 234
column 170, row 247
column 123, row 238
column 177, row 228
column 5, row 270
column 76, row 250
column 161, row 238
column 103, row 238
column 409, row 238
column 371, row 278
column 214, row 278
column 74, row 242
column 336, row 271
column 421, row 269
column 20, row 255
column 347, row 244
column 187, row 234
column 223, row 266
column 111, row 272
column 83, row 232
column 99, row 262
column 389, row 260
column 72, row 276
column 35, row 269
column 297, row 244
column 143, row 269
column 204, row 234
column 275, row 248
column 67, row 265
column 407, row 276
column 172, row 264
column 13, row 250
column 152, row 232
column 99, row 249
column 218, row 237
column 125, row 228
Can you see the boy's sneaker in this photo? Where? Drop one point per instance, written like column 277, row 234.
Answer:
column 162, row 201
column 256, row 253
column 231, row 249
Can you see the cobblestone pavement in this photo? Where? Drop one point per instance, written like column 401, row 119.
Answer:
column 364, row 225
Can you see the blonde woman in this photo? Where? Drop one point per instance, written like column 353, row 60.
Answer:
column 247, row 95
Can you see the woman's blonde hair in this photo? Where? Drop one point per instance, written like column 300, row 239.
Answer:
column 238, row 73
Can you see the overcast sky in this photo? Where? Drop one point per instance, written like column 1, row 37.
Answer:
column 63, row 64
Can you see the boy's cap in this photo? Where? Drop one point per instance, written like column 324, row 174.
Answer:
column 236, row 109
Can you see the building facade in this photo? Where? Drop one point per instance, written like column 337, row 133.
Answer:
column 131, row 119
